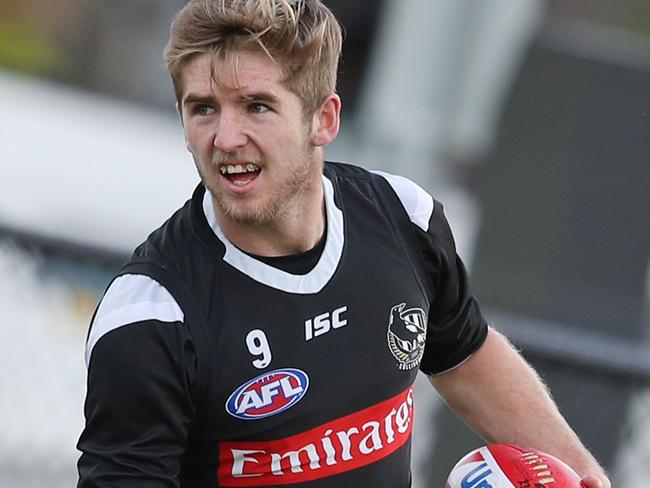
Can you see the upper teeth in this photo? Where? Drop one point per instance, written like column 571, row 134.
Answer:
column 238, row 168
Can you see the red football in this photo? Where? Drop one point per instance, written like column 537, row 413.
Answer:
column 510, row 466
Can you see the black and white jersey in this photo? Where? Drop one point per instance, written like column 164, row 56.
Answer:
column 209, row 367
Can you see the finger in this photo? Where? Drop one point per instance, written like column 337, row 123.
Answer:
column 594, row 482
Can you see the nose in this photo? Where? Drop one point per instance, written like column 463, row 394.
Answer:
column 229, row 134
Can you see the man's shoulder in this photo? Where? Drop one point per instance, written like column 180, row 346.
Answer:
column 352, row 177
column 173, row 253
column 418, row 204
column 132, row 299
column 338, row 169
column 400, row 184
column 175, row 234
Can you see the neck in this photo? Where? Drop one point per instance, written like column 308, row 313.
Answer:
column 298, row 228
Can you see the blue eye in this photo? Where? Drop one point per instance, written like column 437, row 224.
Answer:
column 204, row 110
column 258, row 108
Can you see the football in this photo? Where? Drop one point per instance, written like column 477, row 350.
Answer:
column 510, row 466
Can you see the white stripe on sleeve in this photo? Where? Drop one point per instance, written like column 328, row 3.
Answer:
column 417, row 202
column 130, row 299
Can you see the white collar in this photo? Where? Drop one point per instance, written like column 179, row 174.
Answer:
column 312, row 282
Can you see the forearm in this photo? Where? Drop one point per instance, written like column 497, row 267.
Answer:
column 502, row 398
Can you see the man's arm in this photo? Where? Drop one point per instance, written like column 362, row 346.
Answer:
column 139, row 404
column 138, row 410
column 503, row 399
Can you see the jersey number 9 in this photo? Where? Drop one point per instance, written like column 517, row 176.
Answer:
column 258, row 345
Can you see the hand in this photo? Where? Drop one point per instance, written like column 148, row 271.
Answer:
column 596, row 481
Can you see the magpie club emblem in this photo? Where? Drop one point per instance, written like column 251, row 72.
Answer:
column 407, row 334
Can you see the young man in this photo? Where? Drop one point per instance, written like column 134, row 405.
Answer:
column 270, row 331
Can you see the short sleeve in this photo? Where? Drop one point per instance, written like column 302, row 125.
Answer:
column 141, row 369
column 456, row 326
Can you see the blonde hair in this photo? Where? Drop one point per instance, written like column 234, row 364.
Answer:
column 302, row 37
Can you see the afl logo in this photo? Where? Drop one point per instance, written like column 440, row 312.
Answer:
column 268, row 394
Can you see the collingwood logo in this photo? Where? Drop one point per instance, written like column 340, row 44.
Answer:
column 406, row 335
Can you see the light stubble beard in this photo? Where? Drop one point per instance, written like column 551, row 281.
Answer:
column 271, row 207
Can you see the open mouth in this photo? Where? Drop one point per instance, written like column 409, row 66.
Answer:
column 240, row 174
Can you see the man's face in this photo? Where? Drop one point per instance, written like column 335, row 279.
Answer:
column 249, row 137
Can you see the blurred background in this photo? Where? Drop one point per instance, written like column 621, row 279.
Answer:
column 530, row 120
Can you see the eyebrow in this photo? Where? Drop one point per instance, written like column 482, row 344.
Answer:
column 250, row 97
column 260, row 97
column 194, row 98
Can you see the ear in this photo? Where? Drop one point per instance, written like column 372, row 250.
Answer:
column 327, row 121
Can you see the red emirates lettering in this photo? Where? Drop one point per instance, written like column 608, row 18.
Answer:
column 344, row 444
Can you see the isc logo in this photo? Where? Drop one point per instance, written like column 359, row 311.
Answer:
column 268, row 394
column 476, row 477
column 323, row 323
